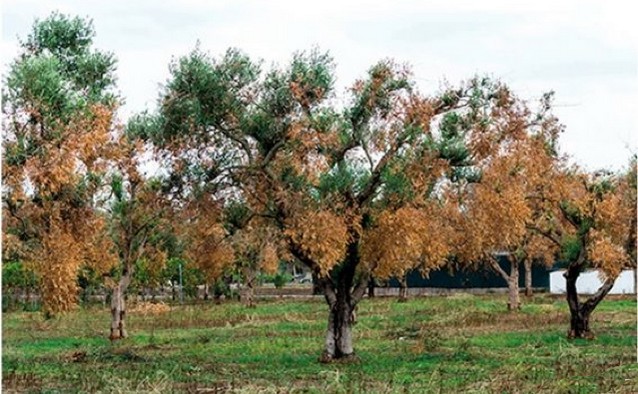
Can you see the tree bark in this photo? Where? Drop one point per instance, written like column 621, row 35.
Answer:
column 316, row 287
column 403, row 288
column 339, row 343
column 581, row 312
column 247, row 294
column 118, row 305
column 342, row 292
column 514, row 301
column 371, row 288
column 341, row 318
column 528, row 278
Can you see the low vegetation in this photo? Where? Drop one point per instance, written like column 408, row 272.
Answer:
column 460, row 343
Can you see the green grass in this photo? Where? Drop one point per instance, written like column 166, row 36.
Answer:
column 461, row 343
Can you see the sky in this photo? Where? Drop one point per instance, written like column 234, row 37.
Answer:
column 585, row 51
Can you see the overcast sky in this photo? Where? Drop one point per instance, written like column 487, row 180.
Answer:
column 584, row 50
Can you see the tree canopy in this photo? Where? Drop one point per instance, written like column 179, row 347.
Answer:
column 58, row 116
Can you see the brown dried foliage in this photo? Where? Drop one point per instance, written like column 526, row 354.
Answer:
column 49, row 221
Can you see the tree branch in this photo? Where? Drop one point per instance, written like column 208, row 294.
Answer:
column 496, row 267
column 360, row 288
column 595, row 299
column 552, row 237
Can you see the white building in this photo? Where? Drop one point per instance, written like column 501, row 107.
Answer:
column 589, row 282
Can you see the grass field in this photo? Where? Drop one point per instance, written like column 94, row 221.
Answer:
column 461, row 343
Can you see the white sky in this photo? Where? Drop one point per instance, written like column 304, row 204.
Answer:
column 584, row 50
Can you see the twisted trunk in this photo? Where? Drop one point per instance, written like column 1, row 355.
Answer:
column 118, row 305
column 338, row 342
column 581, row 312
column 343, row 294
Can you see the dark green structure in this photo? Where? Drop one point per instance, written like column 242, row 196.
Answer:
column 466, row 279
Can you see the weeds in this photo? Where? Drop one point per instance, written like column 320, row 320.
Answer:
column 460, row 343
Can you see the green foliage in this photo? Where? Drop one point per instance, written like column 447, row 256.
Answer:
column 202, row 94
column 191, row 275
column 144, row 126
column 89, row 281
column 313, row 73
column 61, row 35
column 145, row 275
column 341, row 179
column 279, row 279
column 16, row 276
column 570, row 249
column 59, row 73
column 571, row 212
column 375, row 97
column 397, row 187
column 221, row 288
column 117, row 187
column 236, row 214
column 452, row 142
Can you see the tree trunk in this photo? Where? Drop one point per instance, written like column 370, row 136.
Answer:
column 581, row 312
column 118, row 305
column 514, row 302
column 338, row 343
column 371, row 288
column 250, row 295
column 206, row 292
column 403, row 288
column 247, row 294
column 316, row 287
column 342, row 293
column 28, row 297
column 528, row 278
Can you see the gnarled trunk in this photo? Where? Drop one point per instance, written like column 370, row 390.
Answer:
column 118, row 305
column 581, row 312
column 528, row 278
column 342, row 292
column 247, row 292
column 339, row 344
